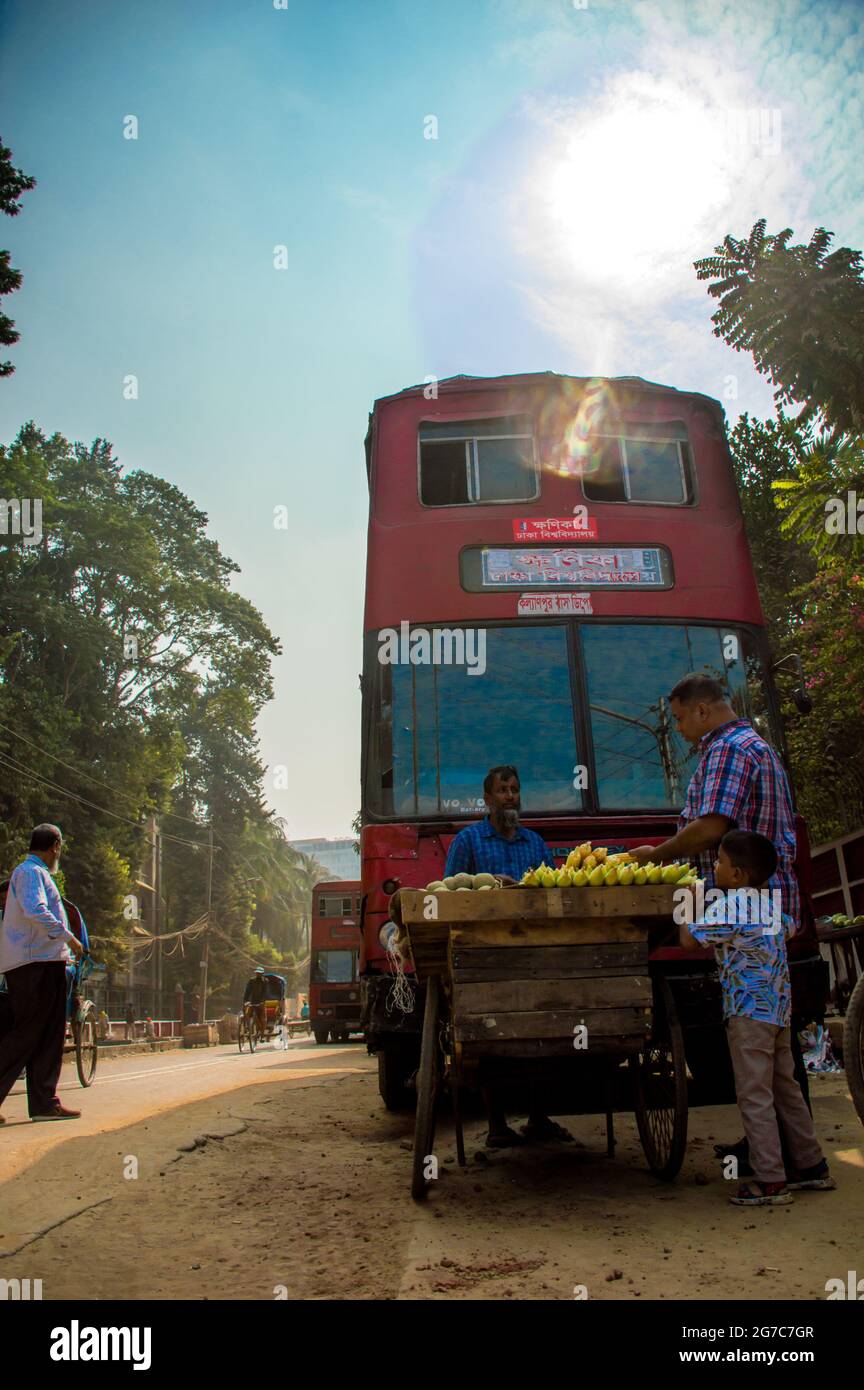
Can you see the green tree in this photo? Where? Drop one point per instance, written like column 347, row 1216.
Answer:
column 800, row 311
column 813, row 600
column 13, row 183
column 131, row 676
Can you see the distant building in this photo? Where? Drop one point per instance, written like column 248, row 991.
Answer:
column 338, row 856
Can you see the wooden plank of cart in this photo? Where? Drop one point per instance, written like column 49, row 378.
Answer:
column 513, row 973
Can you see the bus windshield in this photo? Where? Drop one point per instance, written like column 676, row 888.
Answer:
column 436, row 730
column 333, row 967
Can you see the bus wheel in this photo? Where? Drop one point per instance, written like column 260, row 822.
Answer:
column 321, row 1035
column 393, row 1073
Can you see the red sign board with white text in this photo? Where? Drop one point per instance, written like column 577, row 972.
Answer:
column 555, row 528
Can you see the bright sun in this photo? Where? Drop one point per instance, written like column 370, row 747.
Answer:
column 629, row 190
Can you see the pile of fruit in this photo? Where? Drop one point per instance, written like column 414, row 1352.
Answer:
column 841, row 920
column 463, row 883
column 587, row 867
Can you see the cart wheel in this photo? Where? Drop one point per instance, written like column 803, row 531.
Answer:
column 427, row 1090
column 853, row 1047
column 660, row 1089
column 321, row 1036
column 84, row 1032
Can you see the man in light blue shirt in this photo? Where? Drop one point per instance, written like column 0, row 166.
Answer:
column 35, row 947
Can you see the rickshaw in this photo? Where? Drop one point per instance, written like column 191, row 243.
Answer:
column 248, row 1035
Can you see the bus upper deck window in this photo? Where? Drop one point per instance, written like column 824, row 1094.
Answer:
column 464, row 462
column 641, row 463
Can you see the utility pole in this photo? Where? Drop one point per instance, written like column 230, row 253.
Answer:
column 153, row 828
column 205, row 959
column 160, row 922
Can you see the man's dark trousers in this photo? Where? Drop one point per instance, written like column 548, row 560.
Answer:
column 37, row 994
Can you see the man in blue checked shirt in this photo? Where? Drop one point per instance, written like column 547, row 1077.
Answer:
column 500, row 845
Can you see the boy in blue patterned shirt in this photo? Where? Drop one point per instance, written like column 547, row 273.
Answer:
column 750, row 946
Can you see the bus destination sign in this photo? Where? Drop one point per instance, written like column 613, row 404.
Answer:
column 598, row 567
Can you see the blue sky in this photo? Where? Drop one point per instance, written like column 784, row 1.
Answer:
column 585, row 157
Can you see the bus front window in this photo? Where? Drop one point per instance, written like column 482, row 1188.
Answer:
column 333, row 967
column 640, row 759
column 439, row 729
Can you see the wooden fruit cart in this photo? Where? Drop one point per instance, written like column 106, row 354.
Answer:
column 555, row 978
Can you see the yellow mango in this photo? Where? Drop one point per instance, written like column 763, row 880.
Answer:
column 600, row 854
column 580, row 879
column 595, row 878
column 655, row 874
column 589, row 864
column 611, row 877
column 626, row 875
column 641, row 875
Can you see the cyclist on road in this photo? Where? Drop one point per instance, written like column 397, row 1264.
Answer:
column 255, row 999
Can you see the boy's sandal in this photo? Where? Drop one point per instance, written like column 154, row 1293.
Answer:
column 759, row 1194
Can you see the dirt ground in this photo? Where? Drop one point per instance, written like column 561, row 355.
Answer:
column 302, row 1191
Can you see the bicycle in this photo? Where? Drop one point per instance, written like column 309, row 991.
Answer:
column 247, row 1032
column 82, row 1021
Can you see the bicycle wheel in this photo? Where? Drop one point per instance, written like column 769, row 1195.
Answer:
column 84, row 1032
column 254, row 1035
column 243, row 1035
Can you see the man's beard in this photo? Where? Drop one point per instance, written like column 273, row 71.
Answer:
column 510, row 818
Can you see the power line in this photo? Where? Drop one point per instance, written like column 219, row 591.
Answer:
column 104, row 786
column 64, row 791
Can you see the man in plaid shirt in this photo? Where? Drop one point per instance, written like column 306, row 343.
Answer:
column 740, row 784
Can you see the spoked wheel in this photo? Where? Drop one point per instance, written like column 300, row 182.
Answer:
column 84, row 1031
column 660, row 1089
column 427, row 1091
column 853, row 1047
column 245, row 1035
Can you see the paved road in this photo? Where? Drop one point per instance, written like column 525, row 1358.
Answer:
column 127, row 1089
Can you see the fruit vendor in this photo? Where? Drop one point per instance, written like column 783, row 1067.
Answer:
column 498, row 844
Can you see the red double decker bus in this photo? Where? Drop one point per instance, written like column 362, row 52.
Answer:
column 334, row 956
column 547, row 556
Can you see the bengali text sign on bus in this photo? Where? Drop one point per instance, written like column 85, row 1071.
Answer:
column 555, row 528
column 603, row 566
column 532, row 604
